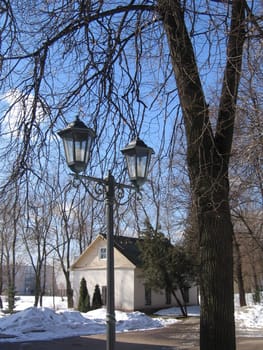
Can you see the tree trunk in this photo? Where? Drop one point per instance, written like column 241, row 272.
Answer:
column 239, row 274
column 11, row 285
column 1, row 263
column 182, row 307
column 69, row 292
column 217, row 327
column 37, row 288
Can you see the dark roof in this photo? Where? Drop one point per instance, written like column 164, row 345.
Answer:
column 128, row 246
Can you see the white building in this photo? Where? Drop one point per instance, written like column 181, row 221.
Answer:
column 130, row 291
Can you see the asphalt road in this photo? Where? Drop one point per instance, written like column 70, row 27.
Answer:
column 180, row 336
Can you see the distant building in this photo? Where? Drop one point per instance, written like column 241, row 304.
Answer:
column 25, row 280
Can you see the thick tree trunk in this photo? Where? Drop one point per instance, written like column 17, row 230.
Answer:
column 217, row 327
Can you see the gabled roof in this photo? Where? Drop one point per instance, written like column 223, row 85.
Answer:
column 128, row 246
column 82, row 255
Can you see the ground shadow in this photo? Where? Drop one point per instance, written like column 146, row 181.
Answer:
column 79, row 343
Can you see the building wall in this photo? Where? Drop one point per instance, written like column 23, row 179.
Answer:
column 92, row 278
column 124, row 287
column 158, row 299
column 93, row 269
column 129, row 289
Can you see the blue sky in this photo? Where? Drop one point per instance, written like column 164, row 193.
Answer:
column 156, row 116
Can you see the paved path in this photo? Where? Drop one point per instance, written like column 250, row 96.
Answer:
column 180, row 336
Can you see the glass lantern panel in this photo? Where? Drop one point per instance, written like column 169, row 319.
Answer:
column 68, row 146
column 80, row 151
column 141, row 165
column 87, row 151
column 131, row 162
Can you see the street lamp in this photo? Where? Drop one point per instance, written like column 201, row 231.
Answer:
column 77, row 140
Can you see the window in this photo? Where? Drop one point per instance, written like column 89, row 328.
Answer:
column 103, row 253
column 148, row 296
column 168, row 297
column 186, row 294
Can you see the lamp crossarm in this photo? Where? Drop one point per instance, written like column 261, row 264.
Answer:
column 105, row 181
column 102, row 186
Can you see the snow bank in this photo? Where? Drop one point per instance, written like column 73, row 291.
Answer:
column 45, row 323
column 249, row 317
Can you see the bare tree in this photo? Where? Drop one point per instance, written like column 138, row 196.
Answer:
column 87, row 214
column 246, row 174
column 134, row 68
column 249, row 237
column 10, row 218
column 72, row 229
column 36, row 232
column 239, row 273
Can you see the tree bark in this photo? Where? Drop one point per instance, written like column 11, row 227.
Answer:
column 217, row 327
column 69, row 291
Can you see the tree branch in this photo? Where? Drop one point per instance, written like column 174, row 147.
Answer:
column 227, row 107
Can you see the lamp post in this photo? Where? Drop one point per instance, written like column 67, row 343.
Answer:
column 77, row 140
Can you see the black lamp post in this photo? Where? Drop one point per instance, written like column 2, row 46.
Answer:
column 77, row 140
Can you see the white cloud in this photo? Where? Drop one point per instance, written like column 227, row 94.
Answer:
column 19, row 112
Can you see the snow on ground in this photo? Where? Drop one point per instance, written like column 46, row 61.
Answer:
column 249, row 318
column 175, row 311
column 32, row 323
column 54, row 320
